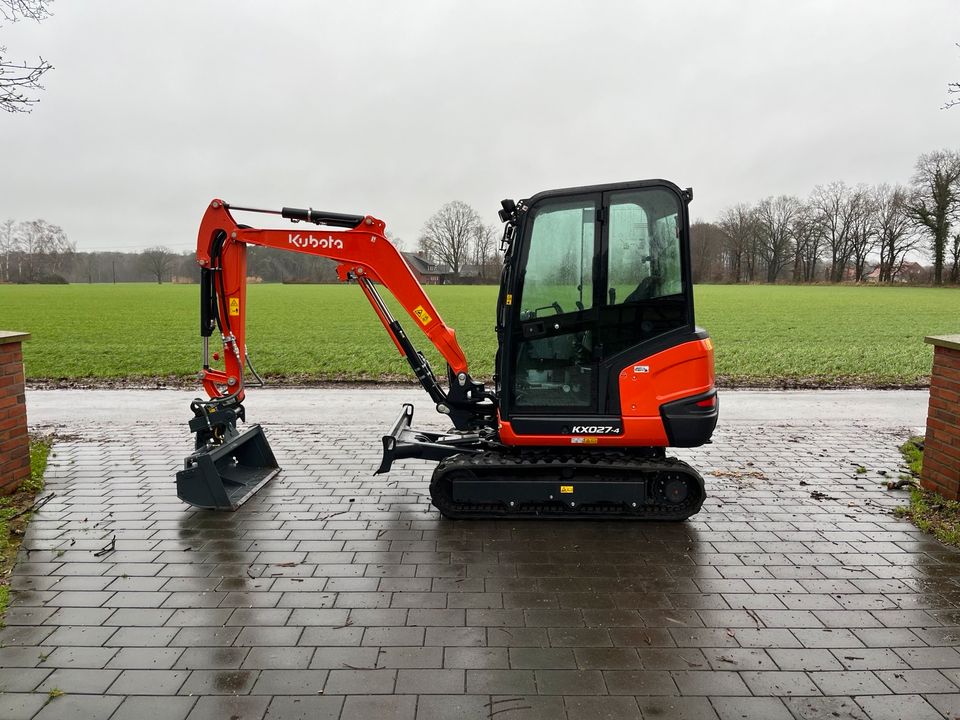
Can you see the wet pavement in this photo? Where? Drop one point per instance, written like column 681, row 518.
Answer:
column 336, row 594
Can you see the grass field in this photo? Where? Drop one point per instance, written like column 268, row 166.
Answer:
column 765, row 335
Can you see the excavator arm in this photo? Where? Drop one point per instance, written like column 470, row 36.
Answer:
column 364, row 255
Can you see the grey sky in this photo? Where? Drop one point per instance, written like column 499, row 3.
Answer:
column 392, row 109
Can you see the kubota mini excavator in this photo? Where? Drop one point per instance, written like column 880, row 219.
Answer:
column 600, row 366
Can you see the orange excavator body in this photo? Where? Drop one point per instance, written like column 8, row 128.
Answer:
column 594, row 376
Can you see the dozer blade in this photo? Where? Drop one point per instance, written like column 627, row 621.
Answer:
column 225, row 476
column 404, row 442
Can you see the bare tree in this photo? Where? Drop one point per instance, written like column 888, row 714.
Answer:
column 42, row 251
column 836, row 207
column 89, row 264
column 935, row 200
column 808, row 245
column 18, row 80
column 739, row 224
column 158, row 261
column 484, row 250
column 9, row 242
column 894, row 229
column 864, row 232
column 706, row 251
column 955, row 256
column 447, row 235
column 775, row 217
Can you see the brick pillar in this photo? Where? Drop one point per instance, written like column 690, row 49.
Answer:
column 14, row 443
column 941, row 451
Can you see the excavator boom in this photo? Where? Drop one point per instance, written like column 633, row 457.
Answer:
column 363, row 252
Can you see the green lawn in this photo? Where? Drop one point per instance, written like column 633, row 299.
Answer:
column 764, row 334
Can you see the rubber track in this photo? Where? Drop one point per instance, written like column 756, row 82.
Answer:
column 514, row 465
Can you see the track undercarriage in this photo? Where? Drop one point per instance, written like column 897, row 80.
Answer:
column 478, row 477
column 548, row 484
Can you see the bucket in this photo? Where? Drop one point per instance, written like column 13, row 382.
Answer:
column 223, row 477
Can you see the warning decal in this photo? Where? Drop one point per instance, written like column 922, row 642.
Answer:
column 234, row 306
column 422, row 315
column 566, row 489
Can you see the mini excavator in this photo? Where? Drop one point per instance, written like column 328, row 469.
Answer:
column 600, row 366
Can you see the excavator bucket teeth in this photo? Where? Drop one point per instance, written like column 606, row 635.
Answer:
column 225, row 476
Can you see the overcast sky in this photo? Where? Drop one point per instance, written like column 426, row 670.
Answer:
column 394, row 108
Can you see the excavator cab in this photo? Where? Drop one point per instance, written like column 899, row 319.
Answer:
column 597, row 279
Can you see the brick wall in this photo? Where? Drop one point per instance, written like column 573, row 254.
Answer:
column 14, row 443
column 941, row 453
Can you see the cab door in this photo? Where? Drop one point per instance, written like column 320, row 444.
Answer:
column 552, row 350
column 648, row 300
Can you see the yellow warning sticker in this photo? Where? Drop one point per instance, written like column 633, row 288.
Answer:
column 566, row 489
column 509, row 299
column 234, row 306
column 422, row 315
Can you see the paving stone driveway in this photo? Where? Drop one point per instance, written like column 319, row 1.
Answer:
column 336, row 594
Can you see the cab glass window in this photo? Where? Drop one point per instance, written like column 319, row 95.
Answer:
column 643, row 258
column 559, row 272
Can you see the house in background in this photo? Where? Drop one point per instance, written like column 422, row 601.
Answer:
column 909, row 272
column 426, row 272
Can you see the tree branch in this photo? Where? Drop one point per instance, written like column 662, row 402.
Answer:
column 18, row 81
column 953, row 89
column 14, row 10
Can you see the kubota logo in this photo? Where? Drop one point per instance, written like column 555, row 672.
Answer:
column 596, row 429
column 297, row 240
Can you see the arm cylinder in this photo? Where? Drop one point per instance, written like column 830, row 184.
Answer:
column 321, row 217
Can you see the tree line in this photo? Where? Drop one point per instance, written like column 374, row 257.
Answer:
column 47, row 257
column 840, row 233
column 454, row 242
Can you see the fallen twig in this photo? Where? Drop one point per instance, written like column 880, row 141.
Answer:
column 36, row 506
column 903, row 482
column 108, row 548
